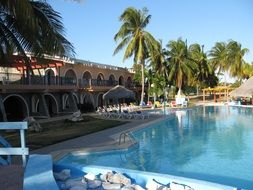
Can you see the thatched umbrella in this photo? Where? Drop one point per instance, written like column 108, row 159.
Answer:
column 245, row 90
column 118, row 92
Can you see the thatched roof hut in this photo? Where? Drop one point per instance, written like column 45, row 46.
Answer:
column 118, row 92
column 245, row 90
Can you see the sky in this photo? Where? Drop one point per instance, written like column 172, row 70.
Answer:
column 91, row 24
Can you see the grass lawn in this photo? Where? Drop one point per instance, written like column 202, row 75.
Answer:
column 59, row 131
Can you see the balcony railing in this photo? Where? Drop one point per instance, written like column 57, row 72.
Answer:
column 87, row 83
column 18, row 79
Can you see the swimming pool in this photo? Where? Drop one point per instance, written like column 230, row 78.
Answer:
column 208, row 143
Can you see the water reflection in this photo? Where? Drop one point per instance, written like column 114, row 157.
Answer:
column 214, row 141
column 222, row 132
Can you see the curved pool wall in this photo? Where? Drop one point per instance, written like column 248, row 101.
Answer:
column 213, row 144
column 141, row 177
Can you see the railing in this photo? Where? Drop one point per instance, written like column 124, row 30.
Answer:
column 134, row 85
column 86, row 83
column 11, row 150
column 13, row 78
column 128, row 135
column 19, row 79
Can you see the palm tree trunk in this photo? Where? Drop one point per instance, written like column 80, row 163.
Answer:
column 148, row 91
column 142, row 82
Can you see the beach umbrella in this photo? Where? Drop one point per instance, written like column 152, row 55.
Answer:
column 118, row 92
column 245, row 90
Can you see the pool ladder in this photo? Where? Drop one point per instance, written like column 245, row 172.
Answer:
column 125, row 135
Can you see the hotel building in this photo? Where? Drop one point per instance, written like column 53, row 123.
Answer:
column 58, row 86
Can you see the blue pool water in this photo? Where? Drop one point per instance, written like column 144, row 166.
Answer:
column 209, row 143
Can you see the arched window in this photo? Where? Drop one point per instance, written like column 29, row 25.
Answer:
column 70, row 77
column 100, row 79
column 86, row 79
column 49, row 77
column 121, row 80
column 129, row 82
column 111, row 81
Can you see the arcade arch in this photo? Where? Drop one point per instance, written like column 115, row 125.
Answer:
column 121, row 80
column 49, row 77
column 66, row 102
column 100, row 79
column 100, row 100
column 112, row 80
column 87, row 78
column 129, row 82
column 51, row 104
column 70, row 77
column 16, row 107
column 87, row 102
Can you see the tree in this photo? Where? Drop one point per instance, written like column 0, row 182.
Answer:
column 203, row 70
column 31, row 26
column 219, row 57
column 138, row 42
column 247, row 71
column 235, row 57
column 158, row 60
column 181, row 67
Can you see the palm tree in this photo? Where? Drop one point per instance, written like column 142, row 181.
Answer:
column 31, row 26
column 219, row 57
column 181, row 66
column 247, row 71
column 158, row 60
column 139, row 43
column 203, row 69
column 236, row 54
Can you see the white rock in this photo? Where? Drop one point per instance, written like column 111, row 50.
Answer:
column 90, row 176
column 128, row 188
column 93, row 184
column 62, row 175
column 78, row 188
column 77, row 114
column 153, row 185
column 118, row 178
column 138, row 187
column 111, row 186
column 33, row 125
column 106, row 176
column 75, row 182
column 29, row 119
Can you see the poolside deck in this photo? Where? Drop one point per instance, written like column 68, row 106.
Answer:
column 11, row 177
column 102, row 140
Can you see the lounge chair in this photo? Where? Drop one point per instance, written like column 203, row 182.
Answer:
column 140, row 115
column 184, row 104
column 125, row 114
column 173, row 104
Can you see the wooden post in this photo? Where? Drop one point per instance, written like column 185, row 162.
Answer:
column 204, row 95
column 227, row 95
column 214, row 96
